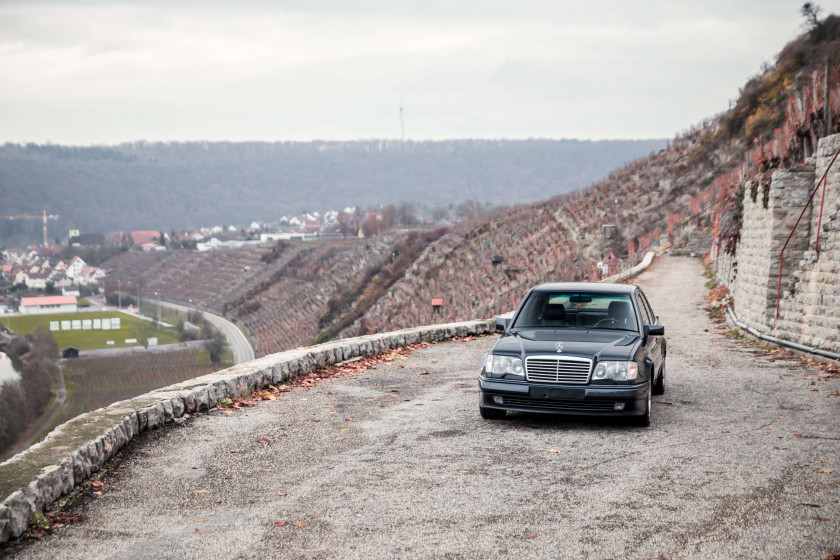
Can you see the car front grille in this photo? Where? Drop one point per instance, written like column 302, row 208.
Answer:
column 551, row 369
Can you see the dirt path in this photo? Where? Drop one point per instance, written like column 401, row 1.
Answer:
column 397, row 463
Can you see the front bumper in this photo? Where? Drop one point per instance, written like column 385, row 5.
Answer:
column 629, row 400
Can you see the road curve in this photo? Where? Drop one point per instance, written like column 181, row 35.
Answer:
column 741, row 461
column 238, row 342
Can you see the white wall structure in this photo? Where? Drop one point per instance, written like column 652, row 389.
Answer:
column 48, row 304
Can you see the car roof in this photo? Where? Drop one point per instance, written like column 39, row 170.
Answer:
column 592, row 287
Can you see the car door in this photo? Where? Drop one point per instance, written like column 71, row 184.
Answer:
column 653, row 344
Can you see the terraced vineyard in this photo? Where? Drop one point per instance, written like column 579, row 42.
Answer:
column 484, row 268
column 279, row 293
column 94, row 382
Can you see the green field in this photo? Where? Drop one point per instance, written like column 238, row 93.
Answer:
column 89, row 339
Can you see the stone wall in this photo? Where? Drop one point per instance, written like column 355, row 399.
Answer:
column 809, row 311
column 809, row 307
column 763, row 234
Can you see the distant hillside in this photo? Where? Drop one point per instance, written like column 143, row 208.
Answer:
column 678, row 197
column 180, row 185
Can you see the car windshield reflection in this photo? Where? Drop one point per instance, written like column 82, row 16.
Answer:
column 577, row 310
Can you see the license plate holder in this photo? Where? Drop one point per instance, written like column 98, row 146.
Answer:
column 567, row 393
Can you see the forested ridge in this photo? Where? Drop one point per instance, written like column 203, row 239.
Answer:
column 147, row 185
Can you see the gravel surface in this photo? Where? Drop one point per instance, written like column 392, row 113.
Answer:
column 397, row 463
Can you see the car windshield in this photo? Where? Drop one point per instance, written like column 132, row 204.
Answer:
column 577, row 310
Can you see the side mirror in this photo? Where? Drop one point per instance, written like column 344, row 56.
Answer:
column 502, row 324
column 655, row 330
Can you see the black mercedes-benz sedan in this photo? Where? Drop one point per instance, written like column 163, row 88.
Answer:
column 576, row 348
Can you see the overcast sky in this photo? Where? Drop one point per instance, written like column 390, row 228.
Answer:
column 109, row 71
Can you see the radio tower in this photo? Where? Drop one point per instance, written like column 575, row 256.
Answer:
column 402, row 121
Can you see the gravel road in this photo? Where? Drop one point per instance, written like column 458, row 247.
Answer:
column 397, row 463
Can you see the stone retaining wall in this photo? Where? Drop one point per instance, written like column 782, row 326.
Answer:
column 633, row 271
column 809, row 307
column 36, row 478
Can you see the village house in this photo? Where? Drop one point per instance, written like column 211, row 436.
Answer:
column 48, row 304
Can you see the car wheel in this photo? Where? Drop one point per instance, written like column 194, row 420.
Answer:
column 644, row 419
column 491, row 413
column 659, row 386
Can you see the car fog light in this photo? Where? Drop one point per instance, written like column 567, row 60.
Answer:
column 618, row 406
column 498, row 400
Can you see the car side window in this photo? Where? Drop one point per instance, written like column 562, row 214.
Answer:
column 653, row 320
column 647, row 317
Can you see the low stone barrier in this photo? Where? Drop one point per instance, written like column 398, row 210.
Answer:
column 631, row 272
column 35, row 479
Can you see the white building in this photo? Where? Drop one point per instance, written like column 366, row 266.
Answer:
column 48, row 304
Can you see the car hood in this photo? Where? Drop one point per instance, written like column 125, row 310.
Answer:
column 605, row 344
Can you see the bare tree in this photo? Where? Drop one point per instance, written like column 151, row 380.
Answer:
column 216, row 346
column 144, row 330
column 811, row 13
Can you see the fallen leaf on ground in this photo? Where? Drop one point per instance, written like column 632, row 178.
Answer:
column 554, row 451
column 98, row 493
column 197, row 530
column 280, row 523
column 800, row 465
column 199, row 520
column 263, row 441
column 202, row 491
column 97, row 484
column 824, row 471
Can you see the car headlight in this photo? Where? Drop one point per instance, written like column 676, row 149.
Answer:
column 503, row 365
column 616, row 371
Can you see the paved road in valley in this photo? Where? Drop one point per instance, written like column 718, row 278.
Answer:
column 742, row 461
column 238, row 342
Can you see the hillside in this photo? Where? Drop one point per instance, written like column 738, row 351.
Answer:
column 682, row 198
column 179, row 185
column 284, row 295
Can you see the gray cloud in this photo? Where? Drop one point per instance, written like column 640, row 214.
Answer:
column 109, row 71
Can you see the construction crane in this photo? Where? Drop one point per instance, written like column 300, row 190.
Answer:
column 43, row 217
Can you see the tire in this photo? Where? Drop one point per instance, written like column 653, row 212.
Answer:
column 659, row 386
column 643, row 420
column 491, row 413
